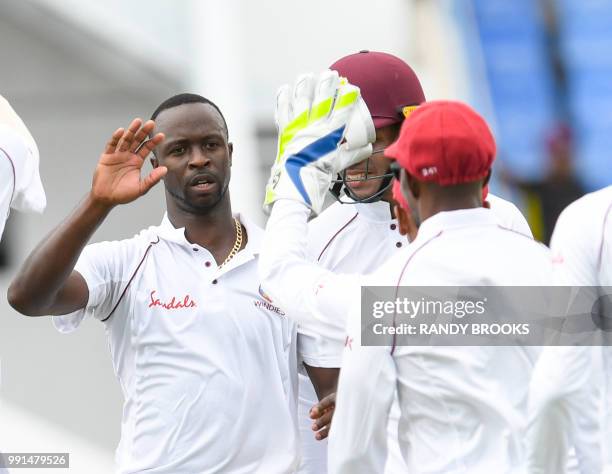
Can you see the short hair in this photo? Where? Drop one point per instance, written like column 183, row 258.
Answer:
column 187, row 98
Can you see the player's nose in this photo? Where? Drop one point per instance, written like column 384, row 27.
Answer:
column 198, row 158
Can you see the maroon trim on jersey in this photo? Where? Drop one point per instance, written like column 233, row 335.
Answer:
column 336, row 235
column 399, row 280
column 130, row 280
column 517, row 233
column 603, row 237
column 14, row 174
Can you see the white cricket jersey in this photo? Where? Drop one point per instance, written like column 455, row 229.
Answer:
column 20, row 185
column 206, row 362
column 571, row 403
column 359, row 238
column 321, row 302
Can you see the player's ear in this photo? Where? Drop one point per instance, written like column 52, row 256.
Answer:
column 230, row 147
column 407, row 226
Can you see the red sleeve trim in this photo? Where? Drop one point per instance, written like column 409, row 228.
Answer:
column 336, row 235
column 399, row 280
column 151, row 244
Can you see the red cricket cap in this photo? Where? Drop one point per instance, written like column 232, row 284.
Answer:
column 388, row 85
column 444, row 142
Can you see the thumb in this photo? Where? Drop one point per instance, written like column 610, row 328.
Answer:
column 152, row 179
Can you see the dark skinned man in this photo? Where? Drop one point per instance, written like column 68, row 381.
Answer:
column 193, row 341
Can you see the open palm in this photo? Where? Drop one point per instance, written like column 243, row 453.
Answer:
column 117, row 179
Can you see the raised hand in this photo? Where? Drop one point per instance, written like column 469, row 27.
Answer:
column 117, row 179
column 324, row 127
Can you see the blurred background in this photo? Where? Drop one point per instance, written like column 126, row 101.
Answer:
column 75, row 70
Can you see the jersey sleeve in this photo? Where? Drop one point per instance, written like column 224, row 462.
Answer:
column 19, row 146
column 316, row 350
column 7, row 184
column 574, row 249
column 367, row 384
column 105, row 267
column 310, row 294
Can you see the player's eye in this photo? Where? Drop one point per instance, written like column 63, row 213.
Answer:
column 177, row 150
column 212, row 145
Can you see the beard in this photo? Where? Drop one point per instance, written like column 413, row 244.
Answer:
column 192, row 206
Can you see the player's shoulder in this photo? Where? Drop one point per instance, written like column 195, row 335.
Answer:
column 584, row 217
column 508, row 214
column 327, row 225
column 500, row 203
column 124, row 249
column 332, row 217
column 591, row 205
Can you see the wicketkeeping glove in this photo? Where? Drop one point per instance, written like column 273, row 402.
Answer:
column 324, row 127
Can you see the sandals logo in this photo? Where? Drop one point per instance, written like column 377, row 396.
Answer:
column 174, row 303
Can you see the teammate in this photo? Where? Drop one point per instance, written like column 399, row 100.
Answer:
column 193, row 341
column 20, row 185
column 358, row 234
column 571, row 400
column 474, row 249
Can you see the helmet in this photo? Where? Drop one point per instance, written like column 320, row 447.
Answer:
column 391, row 90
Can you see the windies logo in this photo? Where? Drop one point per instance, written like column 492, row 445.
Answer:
column 174, row 303
column 267, row 304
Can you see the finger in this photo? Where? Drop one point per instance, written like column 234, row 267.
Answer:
column 282, row 114
column 303, row 94
column 141, row 135
column 324, row 404
column 360, row 127
column 148, row 146
column 323, row 420
column 324, row 433
column 324, row 94
column 112, row 143
column 128, row 135
column 152, row 179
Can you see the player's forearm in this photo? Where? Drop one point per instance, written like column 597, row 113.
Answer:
column 324, row 379
column 283, row 265
column 307, row 292
column 35, row 288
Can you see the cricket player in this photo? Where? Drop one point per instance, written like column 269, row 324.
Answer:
column 571, row 396
column 484, row 432
column 360, row 232
column 206, row 364
column 20, row 185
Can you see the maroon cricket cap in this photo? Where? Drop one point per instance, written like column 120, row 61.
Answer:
column 388, row 85
column 444, row 142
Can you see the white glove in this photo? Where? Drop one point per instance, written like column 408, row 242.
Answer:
column 324, row 126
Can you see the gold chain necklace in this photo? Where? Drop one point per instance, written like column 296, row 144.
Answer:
column 237, row 243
